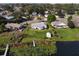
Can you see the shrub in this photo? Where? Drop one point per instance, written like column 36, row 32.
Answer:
column 71, row 24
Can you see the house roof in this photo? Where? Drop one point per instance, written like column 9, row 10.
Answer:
column 2, row 14
column 57, row 23
column 76, row 21
column 46, row 12
column 40, row 25
column 12, row 25
column 8, row 17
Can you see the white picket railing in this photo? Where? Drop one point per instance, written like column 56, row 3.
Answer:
column 6, row 50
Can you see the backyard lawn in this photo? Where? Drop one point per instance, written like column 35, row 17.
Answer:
column 68, row 34
column 35, row 34
column 43, row 46
column 34, row 51
column 5, row 38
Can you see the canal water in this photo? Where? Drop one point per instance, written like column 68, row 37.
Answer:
column 67, row 48
column 1, row 52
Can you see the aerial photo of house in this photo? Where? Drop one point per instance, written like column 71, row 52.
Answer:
column 39, row 29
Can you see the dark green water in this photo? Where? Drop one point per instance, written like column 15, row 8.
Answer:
column 1, row 52
column 67, row 48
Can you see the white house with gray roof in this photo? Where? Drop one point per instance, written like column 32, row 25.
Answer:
column 59, row 24
column 6, row 14
column 14, row 26
column 40, row 25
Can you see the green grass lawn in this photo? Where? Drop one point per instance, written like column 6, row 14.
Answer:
column 39, row 50
column 5, row 38
column 35, row 34
column 68, row 34
column 42, row 50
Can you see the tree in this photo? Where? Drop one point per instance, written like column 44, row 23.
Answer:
column 71, row 24
column 77, row 12
column 51, row 18
column 2, row 27
column 69, row 18
column 9, row 7
column 70, row 9
column 61, row 14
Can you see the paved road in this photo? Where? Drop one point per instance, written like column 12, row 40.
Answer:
column 33, row 21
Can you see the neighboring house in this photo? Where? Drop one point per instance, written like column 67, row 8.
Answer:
column 8, row 17
column 44, row 19
column 26, row 13
column 34, row 13
column 39, row 15
column 46, row 12
column 39, row 26
column 14, row 26
column 23, row 23
column 1, row 9
column 46, row 15
column 22, row 19
column 59, row 24
column 6, row 14
column 17, row 9
column 76, row 21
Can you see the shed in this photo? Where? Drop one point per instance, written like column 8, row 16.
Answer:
column 48, row 35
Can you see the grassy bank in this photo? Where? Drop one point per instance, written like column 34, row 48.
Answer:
column 68, row 34
column 34, row 51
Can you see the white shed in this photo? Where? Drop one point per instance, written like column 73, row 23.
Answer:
column 48, row 35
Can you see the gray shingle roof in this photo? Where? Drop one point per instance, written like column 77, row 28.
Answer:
column 40, row 25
